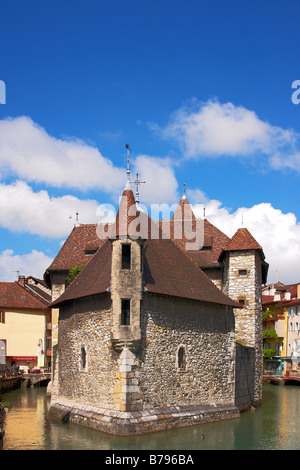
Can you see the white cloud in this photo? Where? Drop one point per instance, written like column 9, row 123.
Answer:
column 28, row 152
column 23, row 210
column 281, row 161
column 278, row 234
column 214, row 129
column 160, row 181
column 34, row 264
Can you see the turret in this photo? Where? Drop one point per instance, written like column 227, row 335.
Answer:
column 244, row 273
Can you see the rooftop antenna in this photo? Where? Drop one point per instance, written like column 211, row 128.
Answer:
column 203, row 212
column 77, row 222
column 17, row 272
column 137, row 183
column 128, row 168
column 184, row 191
column 242, row 220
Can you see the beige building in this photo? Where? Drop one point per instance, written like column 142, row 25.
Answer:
column 25, row 323
column 281, row 328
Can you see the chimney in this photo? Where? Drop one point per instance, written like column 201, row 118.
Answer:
column 22, row 281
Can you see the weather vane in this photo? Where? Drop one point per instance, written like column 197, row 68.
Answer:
column 137, row 183
column 128, row 168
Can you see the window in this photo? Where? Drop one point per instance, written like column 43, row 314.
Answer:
column 2, row 317
column 125, row 314
column 206, row 248
column 242, row 300
column 242, row 272
column 90, row 252
column 83, row 362
column 181, row 359
column 126, row 256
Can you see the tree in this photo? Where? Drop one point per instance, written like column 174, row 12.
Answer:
column 73, row 273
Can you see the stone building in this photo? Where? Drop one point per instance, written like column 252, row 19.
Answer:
column 152, row 335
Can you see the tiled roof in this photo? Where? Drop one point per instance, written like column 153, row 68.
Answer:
column 170, row 269
column 167, row 271
column 76, row 250
column 185, row 224
column 13, row 295
column 242, row 240
column 93, row 279
column 293, row 302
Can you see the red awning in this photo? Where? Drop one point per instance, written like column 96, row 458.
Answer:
column 24, row 358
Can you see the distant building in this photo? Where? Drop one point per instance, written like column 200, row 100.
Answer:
column 281, row 327
column 25, row 323
column 150, row 335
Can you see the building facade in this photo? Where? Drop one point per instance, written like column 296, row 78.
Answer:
column 25, row 323
column 281, row 328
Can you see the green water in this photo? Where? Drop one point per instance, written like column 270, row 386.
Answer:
column 274, row 425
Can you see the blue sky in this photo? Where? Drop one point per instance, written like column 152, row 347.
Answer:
column 200, row 90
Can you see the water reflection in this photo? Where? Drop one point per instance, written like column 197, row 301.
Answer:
column 274, row 425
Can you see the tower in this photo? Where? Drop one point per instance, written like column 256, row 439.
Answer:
column 243, row 274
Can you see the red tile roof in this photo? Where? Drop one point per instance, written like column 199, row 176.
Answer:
column 242, row 240
column 169, row 268
column 72, row 252
column 93, row 279
column 293, row 302
column 167, row 271
column 213, row 239
column 13, row 295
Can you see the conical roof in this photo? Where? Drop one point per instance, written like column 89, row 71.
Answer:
column 242, row 240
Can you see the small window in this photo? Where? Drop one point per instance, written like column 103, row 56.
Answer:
column 206, row 248
column 125, row 314
column 83, row 358
column 242, row 272
column 90, row 252
column 126, row 256
column 242, row 301
column 181, row 358
column 2, row 317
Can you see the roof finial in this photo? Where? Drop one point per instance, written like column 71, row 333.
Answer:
column 184, row 191
column 203, row 212
column 242, row 220
column 137, row 182
column 128, row 169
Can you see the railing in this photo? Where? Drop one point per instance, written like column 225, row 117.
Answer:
column 273, row 372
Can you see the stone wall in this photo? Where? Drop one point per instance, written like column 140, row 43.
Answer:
column 245, row 377
column 86, row 324
column 150, row 388
column 58, row 282
column 206, row 332
column 126, row 284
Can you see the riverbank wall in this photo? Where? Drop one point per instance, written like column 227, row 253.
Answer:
column 140, row 422
column 10, row 384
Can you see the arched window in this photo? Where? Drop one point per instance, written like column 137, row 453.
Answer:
column 83, row 358
column 181, row 358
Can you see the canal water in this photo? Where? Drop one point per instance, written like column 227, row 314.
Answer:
column 273, row 426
